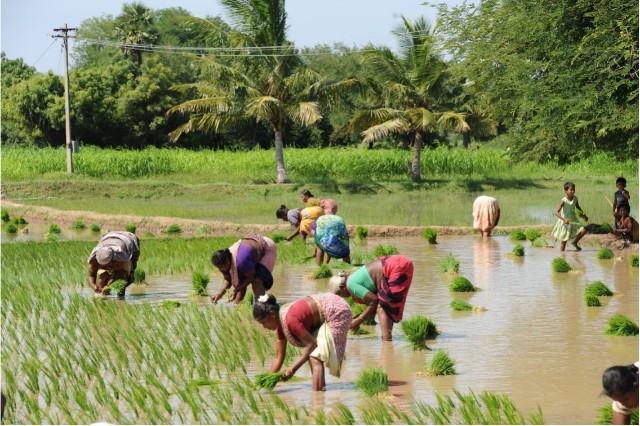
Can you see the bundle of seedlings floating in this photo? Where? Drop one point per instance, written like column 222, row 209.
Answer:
column 54, row 229
column 461, row 285
column 361, row 233
column 619, row 325
column 633, row 260
column 382, row 250
column 532, row 234
column 95, row 228
column 323, row 272
column 174, row 229
column 461, row 305
column 598, row 288
column 117, row 286
column 540, row 242
column 357, row 309
column 278, row 237
column 4, row 215
column 518, row 250
column 78, row 226
column 560, row 265
column 450, row 264
column 605, row 253
column 268, row 380
column 418, row 329
column 19, row 220
column 10, row 228
column 430, row 235
column 517, row 235
column 130, row 227
column 139, row 275
column 373, row 381
column 441, row 364
column 199, row 282
column 591, row 300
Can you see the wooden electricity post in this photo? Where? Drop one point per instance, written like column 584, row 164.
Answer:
column 64, row 34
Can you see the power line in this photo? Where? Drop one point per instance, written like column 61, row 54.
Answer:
column 43, row 53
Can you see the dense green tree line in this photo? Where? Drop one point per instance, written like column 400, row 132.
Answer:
column 559, row 78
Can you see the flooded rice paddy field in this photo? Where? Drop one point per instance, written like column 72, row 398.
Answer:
column 537, row 342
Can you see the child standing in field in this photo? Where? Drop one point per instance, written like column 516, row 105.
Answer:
column 620, row 198
column 567, row 227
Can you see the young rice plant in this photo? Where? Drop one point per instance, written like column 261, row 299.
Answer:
column 418, row 329
column 461, row 284
column 619, row 325
column 199, row 282
column 560, row 265
column 373, row 381
column 450, row 264
column 441, row 364
column 430, row 235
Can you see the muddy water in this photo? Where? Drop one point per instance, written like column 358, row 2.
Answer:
column 537, row 341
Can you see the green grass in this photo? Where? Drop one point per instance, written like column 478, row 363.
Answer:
column 324, row 271
column 95, row 228
column 268, row 380
column 532, row 234
column 461, row 305
column 130, row 227
column 361, row 233
column 10, row 228
column 598, row 288
column 517, row 235
column 4, row 215
column 173, row 229
column 430, row 235
column 441, row 364
column 418, row 329
column 540, row 243
column 78, row 226
column 591, row 300
column 560, row 265
column 373, row 381
column 619, row 325
column 633, row 261
column 199, row 282
column 605, row 253
column 54, row 229
column 139, row 276
column 461, row 284
column 518, row 250
column 385, row 250
column 450, row 264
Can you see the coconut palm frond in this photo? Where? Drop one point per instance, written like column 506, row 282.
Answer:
column 181, row 130
column 207, row 89
column 301, row 81
column 332, row 93
column 262, row 107
column 396, row 126
column 454, row 121
column 394, row 91
column 201, row 106
column 422, row 118
column 385, row 64
column 305, row 113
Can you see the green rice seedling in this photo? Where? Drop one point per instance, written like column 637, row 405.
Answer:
column 382, row 250
column 51, row 238
column 461, row 305
column 278, row 237
column 174, row 229
column 441, row 364
column 373, row 381
column 139, row 276
column 532, row 234
column 598, row 288
column 95, row 228
column 619, row 325
column 203, row 382
column 10, row 228
column 450, row 264
column 605, row 416
column 591, row 300
column 605, row 253
column 560, row 265
column 518, row 250
column 517, row 235
column 362, row 232
column 633, row 260
column 268, row 380
column 360, row 331
column 130, row 227
column 323, row 272
column 461, row 284
column 430, row 235
column 170, row 304
column 199, row 282
column 540, row 243
column 19, row 220
column 78, row 226
column 418, row 329
column 117, row 286
column 54, row 229
column 357, row 309
column 4, row 215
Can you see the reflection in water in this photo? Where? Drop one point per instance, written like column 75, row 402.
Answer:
column 537, row 342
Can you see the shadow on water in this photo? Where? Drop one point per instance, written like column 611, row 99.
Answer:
column 480, row 185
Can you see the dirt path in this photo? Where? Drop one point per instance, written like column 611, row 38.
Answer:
column 192, row 227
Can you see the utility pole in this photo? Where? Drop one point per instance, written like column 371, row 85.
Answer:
column 63, row 33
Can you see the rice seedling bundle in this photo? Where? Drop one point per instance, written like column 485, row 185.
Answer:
column 605, row 416
column 560, row 265
column 517, row 235
column 95, row 228
column 450, row 264
column 461, row 284
column 174, row 229
column 170, row 304
column 518, row 250
column 4, row 215
column 383, row 250
column 323, row 272
column 633, row 260
column 51, row 238
column 54, row 229
column 605, row 253
column 430, row 235
column 441, row 364
column 268, row 380
column 278, row 237
column 130, row 227
column 78, row 225
column 619, row 325
column 540, row 242
column 10, row 228
column 373, row 381
column 532, row 234
column 357, row 309
column 418, row 329
column 598, row 288
column 591, row 300
column 117, row 286
column 199, row 282
column 461, row 305
column 361, row 232
column 360, row 331
column 19, row 220
column 139, row 276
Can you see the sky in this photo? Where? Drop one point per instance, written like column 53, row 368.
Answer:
column 27, row 24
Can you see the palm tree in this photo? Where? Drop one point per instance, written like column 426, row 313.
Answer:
column 410, row 86
column 135, row 26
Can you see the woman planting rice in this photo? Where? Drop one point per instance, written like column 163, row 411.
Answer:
column 620, row 383
column 328, row 205
column 331, row 237
column 486, row 214
column 317, row 323
column 114, row 258
column 382, row 285
column 303, row 220
column 248, row 261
